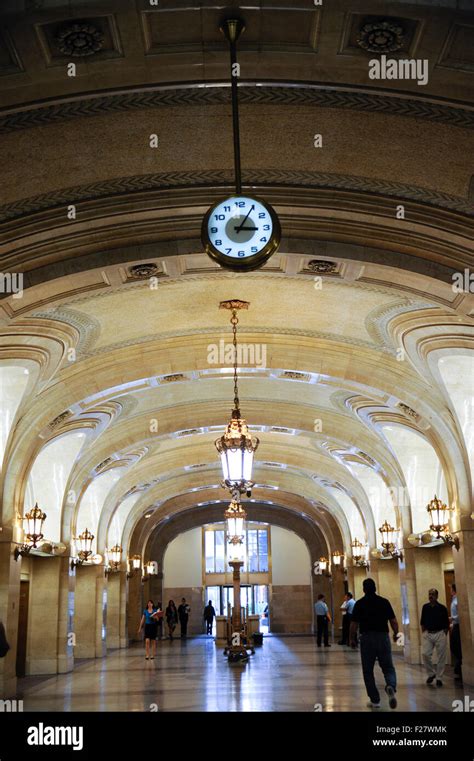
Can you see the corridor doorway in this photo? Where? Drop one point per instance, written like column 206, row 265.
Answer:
column 254, row 598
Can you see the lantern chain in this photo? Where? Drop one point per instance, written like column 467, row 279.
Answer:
column 234, row 322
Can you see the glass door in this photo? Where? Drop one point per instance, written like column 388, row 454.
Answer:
column 262, row 606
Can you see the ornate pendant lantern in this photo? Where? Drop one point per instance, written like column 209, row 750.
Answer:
column 237, row 446
column 235, row 516
column 440, row 515
column 33, row 525
column 389, row 537
column 85, row 545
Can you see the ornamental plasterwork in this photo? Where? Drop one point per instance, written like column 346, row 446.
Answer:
column 330, row 96
column 408, row 411
column 322, row 266
column 79, row 39
column 295, row 375
column 123, row 186
column 381, row 36
column 377, row 321
column 87, row 327
column 60, row 419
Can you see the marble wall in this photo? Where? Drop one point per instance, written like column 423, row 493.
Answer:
column 290, row 609
column 195, row 599
column 90, row 617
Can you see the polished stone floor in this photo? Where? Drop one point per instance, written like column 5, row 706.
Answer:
column 286, row 674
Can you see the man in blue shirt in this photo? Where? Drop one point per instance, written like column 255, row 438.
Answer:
column 323, row 618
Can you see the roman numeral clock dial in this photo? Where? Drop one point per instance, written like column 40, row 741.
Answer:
column 239, row 232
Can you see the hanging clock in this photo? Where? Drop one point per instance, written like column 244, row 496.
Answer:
column 241, row 232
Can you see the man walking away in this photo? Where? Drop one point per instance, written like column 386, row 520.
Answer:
column 435, row 626
column 323, row 617
column 209, row 614
column 183, row 614
column 371, row 614
column 455, row 641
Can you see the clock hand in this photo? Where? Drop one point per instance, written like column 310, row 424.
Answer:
column 245, row 228
column 244, row 221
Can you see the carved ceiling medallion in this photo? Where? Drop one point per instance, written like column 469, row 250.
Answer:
column 79, row 39
column 381, row 37
column 322, row 267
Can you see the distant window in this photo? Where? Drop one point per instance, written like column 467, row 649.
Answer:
column 255, row 554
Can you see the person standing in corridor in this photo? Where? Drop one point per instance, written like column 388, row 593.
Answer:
column 209, row 615
column 435, row 626
column 323, row 619
column 183, row 613
column 371, row 614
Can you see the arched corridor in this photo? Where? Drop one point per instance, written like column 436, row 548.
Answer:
column 353, row 361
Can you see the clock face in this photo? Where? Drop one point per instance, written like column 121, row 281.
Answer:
column 241, row 232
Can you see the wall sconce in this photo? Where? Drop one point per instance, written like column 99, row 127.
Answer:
column 115, row 558
column 439, row 515
column 33, row 526
column 320, row 567
column 134, row 565
column 359, row 554
column 338, row 560
column 151, row 569
column 324, row 566
column 85, row 543
column 389, row 541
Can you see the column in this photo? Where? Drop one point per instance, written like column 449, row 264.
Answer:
column 464, row 573
column 65, row 635
column 50, row 646
column 10, row 572
column 113, row 611
column 337, row 600
column 123, row 627
column 90, row 615
column 134, row 607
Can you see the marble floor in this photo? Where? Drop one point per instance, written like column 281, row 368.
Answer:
column 286, row 674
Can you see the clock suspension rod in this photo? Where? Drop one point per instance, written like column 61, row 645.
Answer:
column 232, row 29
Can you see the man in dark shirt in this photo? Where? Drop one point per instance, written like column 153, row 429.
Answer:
column 183, row 614
column 209, row 614
column 371, row 614
column 434, row 625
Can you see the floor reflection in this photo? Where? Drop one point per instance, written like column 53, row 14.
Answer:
column 286, row 674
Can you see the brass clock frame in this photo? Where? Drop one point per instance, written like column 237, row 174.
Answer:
column 248, row 263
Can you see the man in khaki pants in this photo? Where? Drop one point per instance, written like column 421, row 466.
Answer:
column 435, row 626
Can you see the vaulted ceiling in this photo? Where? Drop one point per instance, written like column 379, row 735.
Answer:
column 119, row 320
